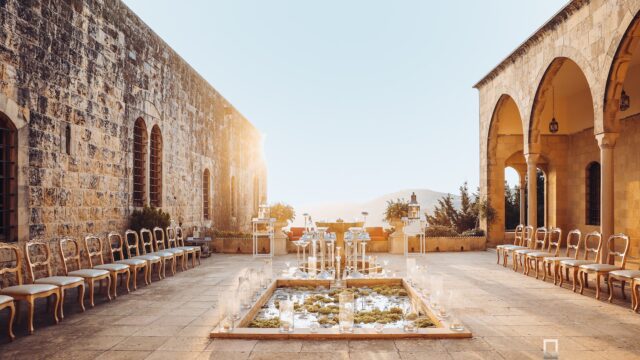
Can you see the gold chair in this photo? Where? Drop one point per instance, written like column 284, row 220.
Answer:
column 134, row 265
column 592, row 244
column 173, row 247
column 28, row 293
column 517, row 243
column 160, row 246
column 603, row 270
column 196, row 251
column 6, row 301
column 535, row 245
column 146, row 239
column 537, row 257
column 141, row 254
column 623, row 276
column 574, row 239
column 527, row 239
column 63, row 282
column 94, row 242
column 90, row 275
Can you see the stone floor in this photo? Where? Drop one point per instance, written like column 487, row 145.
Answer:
column 510, row 315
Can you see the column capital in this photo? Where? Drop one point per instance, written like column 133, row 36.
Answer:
column 607, row 140
column 532, row 158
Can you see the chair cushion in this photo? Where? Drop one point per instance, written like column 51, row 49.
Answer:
column 557, row 258
column 525, row 251
column 576, row 262
column 600, row 267
column 539, row 254
column 148, row 257
column 188, row 248
column 89, row 273
column 162, row 254
column 134, row 262
column 59, row 280
column 629, row 274
column 5, row 299
column 30, row 289
column 112, row 267
column 175, row 251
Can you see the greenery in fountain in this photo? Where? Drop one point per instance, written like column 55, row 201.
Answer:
column 265, row 323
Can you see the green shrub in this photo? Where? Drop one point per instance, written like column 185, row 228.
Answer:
column 148, row 218
column 440, row 231
column 396, row 210
column 282, row 212
column 473, row 232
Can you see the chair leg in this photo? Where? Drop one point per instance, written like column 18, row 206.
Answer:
column 537, row 268
column 81, row 296
column 580, row 275
column 598, row 276
column 561, row 277
column 108, row 278
column 55, row 311
column 114, row 284
column 30, row 309
column 128, row 279
column 610, row 287
column 498, row 254
column 12, row 315
column 61, row 310
column 91, row 292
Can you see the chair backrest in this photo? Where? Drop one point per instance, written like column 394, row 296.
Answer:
column 116, row 246
column 179, row 236
column 614, row 255
column 555, row 237
column 540, row 243
column 93, row 242
column 158, row 239
column 171, row 237
column 133, row 249
column 11, row 270
column 146, row 240
column 74, row 257
column 528, row 236
column 574, row 240
column 43, row 248
column 592, row 246
column 518, row 235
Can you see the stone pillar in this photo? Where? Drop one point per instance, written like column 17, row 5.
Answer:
column 523, row 194
column 532, row 183
column 606, row 142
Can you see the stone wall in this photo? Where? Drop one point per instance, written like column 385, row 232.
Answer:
column 94, row 65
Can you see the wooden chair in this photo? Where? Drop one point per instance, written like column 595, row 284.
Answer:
column 623, row 276
column 189, row 249
column 527, row 239
column 141, row 254
column 536, row 244
column 553, row 249
column 116, row 244
column 91, row 276
column 517, row 243
column 160, row 246
column 173, row 247
column 603, row 270
column 29, row 293
column 94, row 242
column 6, row 302
column 146, row 239
column 574, row 239
column 592, row 244
column 63, row 282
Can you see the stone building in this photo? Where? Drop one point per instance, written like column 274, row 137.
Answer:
column 581, row 68
column 98, row 117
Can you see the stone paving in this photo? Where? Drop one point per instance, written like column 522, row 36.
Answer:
column 510, row 315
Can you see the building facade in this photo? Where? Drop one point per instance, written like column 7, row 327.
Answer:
column 98, row 117
column 567, row 102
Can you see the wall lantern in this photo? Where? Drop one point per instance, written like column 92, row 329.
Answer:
column 625, row 101
column 264, row 211
column 414, row 208
column 553, row 125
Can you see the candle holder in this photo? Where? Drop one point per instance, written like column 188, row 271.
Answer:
column 286, row 316
column 346, row 312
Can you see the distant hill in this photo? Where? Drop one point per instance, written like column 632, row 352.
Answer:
column 376, row 207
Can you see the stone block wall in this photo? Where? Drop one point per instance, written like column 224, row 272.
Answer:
column 95, row 66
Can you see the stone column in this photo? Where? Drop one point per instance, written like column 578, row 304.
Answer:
column 606, row 142
column 532, row 179
column 523, row 194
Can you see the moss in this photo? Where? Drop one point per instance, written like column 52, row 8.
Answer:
column 424, row 322
column 265, row 323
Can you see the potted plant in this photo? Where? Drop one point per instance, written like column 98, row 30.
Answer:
column 395, row 211
column 283, row 214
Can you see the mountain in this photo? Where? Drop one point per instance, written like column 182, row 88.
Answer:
column 376, row 207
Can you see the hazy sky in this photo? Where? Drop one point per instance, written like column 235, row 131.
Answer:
column 356, row 98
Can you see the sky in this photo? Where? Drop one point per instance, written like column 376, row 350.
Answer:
column 355, row 98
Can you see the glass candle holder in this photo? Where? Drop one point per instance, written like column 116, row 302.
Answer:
column 286, row 316
column 225, row 317
column 346, row 312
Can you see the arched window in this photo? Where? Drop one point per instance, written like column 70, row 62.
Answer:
column 233, row 196
column 139, row 162
column 155, row 168
column 206, row 194
column 592, row 187
column 8, row 180
column 256, row 195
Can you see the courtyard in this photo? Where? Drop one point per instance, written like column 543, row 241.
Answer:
column 509, row 314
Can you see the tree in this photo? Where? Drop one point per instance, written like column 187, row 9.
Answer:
column 511, row 206
column 460, row 220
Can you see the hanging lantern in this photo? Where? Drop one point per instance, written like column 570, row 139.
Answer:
column 264, row 211
column 625, row 101
column 414, row 208
column 554, row 126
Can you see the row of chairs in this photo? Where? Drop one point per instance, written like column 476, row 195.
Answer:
column 540, row 250
column 143, row 252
